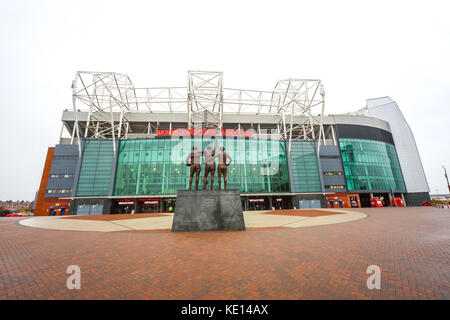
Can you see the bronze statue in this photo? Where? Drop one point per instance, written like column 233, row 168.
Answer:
column 194, row 163
column 210, row 164
column 222, row 169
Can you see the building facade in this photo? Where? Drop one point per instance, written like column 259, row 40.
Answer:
column 342, row 161
column 11, row 205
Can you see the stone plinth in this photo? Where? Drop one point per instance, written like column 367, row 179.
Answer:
column 202, row 210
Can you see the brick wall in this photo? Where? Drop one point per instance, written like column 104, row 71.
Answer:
column 43, row 204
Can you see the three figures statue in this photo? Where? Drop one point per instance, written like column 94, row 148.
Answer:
column 210, row 155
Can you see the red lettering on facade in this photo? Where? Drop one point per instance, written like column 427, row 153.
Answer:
column 201, row 132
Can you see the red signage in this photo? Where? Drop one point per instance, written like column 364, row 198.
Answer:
column 206, row 132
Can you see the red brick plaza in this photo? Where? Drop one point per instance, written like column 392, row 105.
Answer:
column 410, row 245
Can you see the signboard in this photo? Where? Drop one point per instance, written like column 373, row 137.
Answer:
column 126, row 202
column 207, row 132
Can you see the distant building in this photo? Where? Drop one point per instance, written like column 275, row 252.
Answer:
column 442, row 196
column 16, row 205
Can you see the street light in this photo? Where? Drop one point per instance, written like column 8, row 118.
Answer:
column 446, row 178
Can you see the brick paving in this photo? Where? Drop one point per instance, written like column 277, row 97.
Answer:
column 411, row 246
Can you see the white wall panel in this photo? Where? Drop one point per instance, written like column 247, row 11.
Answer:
column 385, row 108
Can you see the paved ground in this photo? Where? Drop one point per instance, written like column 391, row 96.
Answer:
column 163, row 222
column 411, row 246
column 307, row 213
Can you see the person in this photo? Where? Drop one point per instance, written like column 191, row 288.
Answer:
column 193, row 160
column 222, row 168
column 210, row 164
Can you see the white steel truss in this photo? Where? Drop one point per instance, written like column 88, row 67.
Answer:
column 105, row 94
column 301, row 104
column 111, row 97
column 205, row 98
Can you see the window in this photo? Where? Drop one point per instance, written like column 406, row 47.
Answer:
column 304, row 169
column 156, row 166
column 66, row 176
column 96, row 168
column 371, row 165
column 59, row 191
column 65, row 157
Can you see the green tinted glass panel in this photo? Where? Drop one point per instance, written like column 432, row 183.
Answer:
column 157, row 166
column 304, row 169
column 371, row 165
column 96, row 168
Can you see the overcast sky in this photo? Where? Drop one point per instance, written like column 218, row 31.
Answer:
column 359, row 49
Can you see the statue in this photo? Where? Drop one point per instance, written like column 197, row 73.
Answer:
column 210, row 164
column 194, row 163
column 193, row 160
column 222, row 169
column 208, row 209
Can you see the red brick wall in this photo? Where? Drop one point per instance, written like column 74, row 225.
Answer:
column 43, row 204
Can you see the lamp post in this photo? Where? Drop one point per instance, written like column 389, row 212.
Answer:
column 446, row 178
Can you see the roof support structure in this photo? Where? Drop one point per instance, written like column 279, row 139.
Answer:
column 111, row 99
column 300, row 104
column 205, row 98
column 104, row 93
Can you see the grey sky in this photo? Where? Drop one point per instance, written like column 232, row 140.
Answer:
column 359, row 49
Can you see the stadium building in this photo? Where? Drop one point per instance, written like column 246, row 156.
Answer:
column 126, row 147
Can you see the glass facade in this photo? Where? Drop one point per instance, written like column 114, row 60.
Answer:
column 371, row 165
column 96, row 168
column 304, row 169
column 157, row 166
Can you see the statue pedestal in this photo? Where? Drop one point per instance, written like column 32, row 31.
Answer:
column 202, row 210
